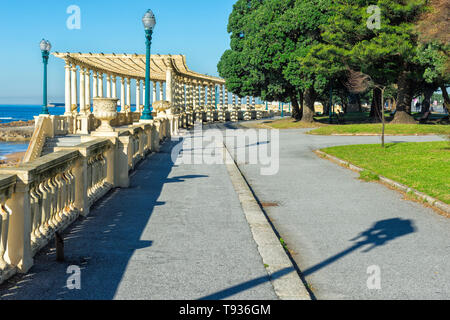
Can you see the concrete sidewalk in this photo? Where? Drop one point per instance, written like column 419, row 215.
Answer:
column 178, row 232
column 338, row 227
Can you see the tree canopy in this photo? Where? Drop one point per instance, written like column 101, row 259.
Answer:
column 298, row 50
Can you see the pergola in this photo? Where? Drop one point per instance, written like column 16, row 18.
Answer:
column 182, row 86
column 133, row 65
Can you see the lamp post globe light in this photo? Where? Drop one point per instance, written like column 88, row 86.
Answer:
column 149, row 23
column 45, row 47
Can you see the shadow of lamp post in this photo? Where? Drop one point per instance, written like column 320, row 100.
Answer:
column 45, row 49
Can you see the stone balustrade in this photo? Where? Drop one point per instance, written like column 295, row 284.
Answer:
column 44, row 196
column 7, row 183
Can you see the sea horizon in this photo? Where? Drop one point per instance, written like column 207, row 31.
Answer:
column 20, row 112
column 24, row 112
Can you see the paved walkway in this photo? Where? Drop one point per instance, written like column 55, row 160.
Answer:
column 338, row 226
column 177, row 233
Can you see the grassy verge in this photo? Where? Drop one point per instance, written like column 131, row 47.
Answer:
column 286, row 123
column 423, row 166
column 391, row 129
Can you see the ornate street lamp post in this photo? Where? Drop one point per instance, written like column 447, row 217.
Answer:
column 45, row 49
column 149, row 22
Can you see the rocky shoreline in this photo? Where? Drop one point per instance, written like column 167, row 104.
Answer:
column 18, row 131
column 12, row 159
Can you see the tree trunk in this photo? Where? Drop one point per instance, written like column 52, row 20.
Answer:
column 446, row 98
column 296, row 112
column 326, row 107
column 404, row 99
column 428, row 93
column 358, row 100
column 344, row 102
column 375, row 110
column 308, row 109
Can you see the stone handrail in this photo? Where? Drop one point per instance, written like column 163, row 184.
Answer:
column 60, row 125
column 42, row 203
column 46, row 194
column 7, row 183
column 96, row 156
column 43, row 129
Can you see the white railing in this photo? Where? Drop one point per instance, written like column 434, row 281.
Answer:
column 52, row 198
column 43, row 129
column 46, row 194
column 7, row 183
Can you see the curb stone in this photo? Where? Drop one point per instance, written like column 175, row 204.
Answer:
column 289, row 286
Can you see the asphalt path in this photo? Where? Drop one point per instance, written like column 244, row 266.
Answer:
column 351, row 239
column 178, row 232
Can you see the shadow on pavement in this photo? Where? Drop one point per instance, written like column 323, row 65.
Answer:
column 379, row 235
column 247, row 285
column 103, row 243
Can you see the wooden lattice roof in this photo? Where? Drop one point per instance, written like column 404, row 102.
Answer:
column 133, row 65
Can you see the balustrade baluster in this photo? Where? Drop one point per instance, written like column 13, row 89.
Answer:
column 4, row 225
column 35, row 215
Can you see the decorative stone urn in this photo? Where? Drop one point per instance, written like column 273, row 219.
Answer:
column 162, row 108
column 105, row 109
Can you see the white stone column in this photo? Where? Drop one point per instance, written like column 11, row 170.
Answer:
column 169, row 84
column 154, row 91
column 122, row 94
column 82, row 91
column 100, row 85
column 194, row 93
column 143, row 92
column 88, row 90
column 128, row 101
column 138, row 95
column 74, row 94
column 189, row 95
column 221, row 98
column 108, row 86
column 202, row 98
column 68, row 100
column 185, row 88
column 175, row 93
column 95, row 84
column 225, row 98
column 161, row 91
column 114, row 86
column 212, row 96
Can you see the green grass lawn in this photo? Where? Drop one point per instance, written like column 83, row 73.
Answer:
column 391, row 129
column 286, row 123
column 424, row 166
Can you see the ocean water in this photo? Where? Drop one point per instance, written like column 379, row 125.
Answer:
column 9, row 113
column 11, row 147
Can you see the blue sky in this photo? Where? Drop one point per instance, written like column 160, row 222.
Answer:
column 196, row 28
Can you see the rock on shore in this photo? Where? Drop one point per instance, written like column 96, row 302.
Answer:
column 18, row 131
